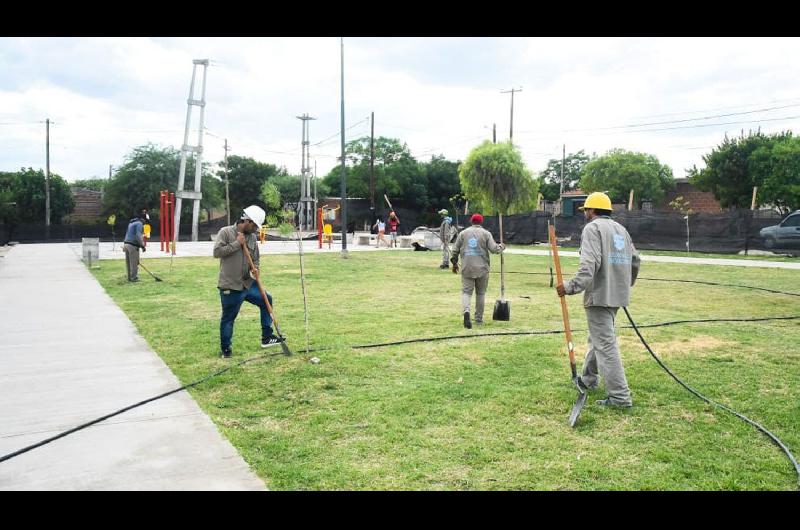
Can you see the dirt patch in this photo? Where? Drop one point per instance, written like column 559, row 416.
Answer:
column 699, row 346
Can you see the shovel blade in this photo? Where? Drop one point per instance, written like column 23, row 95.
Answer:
column 502, row 310
column 576, row 409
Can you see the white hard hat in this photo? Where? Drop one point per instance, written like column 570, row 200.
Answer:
column 255, row 214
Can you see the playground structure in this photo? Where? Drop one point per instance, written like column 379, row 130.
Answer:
column 166, row 221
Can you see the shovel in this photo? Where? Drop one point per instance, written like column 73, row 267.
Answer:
column 253, row 269
column 581, row 400
column 502, row 311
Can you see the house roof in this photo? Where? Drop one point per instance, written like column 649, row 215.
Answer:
column 575, row 193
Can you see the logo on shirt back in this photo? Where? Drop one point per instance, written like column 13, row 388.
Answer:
column 619, row 242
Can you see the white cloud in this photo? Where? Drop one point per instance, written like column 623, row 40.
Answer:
column 107, row 95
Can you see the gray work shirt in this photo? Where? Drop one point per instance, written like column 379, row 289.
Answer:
column 234, row 270
column 473, row 245
column 609, row 265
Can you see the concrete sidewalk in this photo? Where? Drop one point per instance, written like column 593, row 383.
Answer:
column 70, row 355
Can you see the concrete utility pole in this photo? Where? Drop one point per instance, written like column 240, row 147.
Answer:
column 511, row 126
column 494, row 133
column 344, row 174
column 196, row 194
column 227, row 191
column 110, row 166
column 372, row 165
column 306, row 201
column 315, row 195
column 47, row 176
column 563, row 159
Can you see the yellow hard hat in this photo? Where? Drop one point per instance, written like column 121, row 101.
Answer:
column 597, row 200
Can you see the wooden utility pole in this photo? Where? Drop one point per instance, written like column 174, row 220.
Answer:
column 227, row 192
column 630, row 201
column 511, row 125
column 494, row 133
column 753, row 203
column 47, row 176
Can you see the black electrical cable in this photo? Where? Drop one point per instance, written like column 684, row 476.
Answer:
column 357, row 347
column 681, row 281
column 120, row 411
column 704, row 398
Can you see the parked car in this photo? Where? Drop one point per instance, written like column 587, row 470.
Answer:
column 785, row 234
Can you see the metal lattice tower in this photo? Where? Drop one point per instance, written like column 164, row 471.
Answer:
column 306, row 205
column 196, row 194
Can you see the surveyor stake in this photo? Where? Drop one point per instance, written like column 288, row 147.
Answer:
column 576, row 409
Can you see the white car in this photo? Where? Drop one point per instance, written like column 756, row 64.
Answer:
column 784, row 234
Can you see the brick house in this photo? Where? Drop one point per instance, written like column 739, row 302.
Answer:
column 88, row 205
column 699, row 201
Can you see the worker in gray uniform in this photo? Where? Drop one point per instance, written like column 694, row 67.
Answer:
column 445, row 234
column 609, row 265
column 473, row 244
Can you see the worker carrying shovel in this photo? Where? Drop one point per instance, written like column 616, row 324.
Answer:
column 236, row 282
column 473, row 244
column 609, row 265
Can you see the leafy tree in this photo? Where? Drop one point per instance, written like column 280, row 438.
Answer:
column 288, row 186
column 22, row 195
column 775, row 167
column 550, row 178
column 619, row 171
column 271, row 197
column 728, row 173
column 147, row 170
column 496, row 175
column 247, row 177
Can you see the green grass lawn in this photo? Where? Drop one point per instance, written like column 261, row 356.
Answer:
column 479, row 413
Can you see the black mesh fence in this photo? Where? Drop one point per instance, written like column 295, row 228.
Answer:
column 727, row 232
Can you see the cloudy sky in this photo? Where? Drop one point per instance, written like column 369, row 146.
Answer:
column 675, row 98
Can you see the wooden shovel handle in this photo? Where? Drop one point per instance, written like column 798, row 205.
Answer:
column 564, row 312
column 258, row 282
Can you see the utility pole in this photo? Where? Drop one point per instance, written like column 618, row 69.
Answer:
column 315, row 195
column 563, row 158
column 494, row 133
column 227, row 191
column 372, row 165
column 305, row 213
column 109, row 170
column 47, row 177
column 344, row 176
column 511, row 126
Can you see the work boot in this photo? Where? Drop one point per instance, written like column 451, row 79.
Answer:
column 467, row 323
column 268, row 342
column 226, row 353
column 443, row 266
column 478, row 322
column 608, row 403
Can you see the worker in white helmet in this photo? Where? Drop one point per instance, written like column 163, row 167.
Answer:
column 236, row 284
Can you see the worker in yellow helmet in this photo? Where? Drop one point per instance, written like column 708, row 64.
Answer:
column 609, row 265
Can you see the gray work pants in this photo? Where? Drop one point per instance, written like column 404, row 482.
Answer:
column 132, row 260
column 478, row 285
column 603, row 358
column 445, row 254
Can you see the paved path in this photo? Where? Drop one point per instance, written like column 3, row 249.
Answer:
column 205, row 248
column 70, row 355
